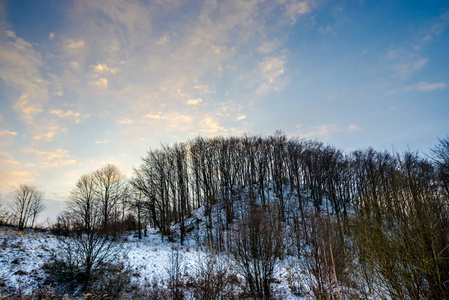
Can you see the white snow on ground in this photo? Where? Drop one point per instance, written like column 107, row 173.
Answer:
column 23, row 254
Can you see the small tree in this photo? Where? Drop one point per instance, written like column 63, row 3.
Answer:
column 110, row 189
column 4, row 215
column 82, row 205
column 84, row 259
column 257, row 245
column 27, row 205
column 441, row 158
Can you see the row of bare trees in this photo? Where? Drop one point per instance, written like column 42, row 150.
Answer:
column 389, row 210
column 98, row 202
column 176, row 179
column 392, row 207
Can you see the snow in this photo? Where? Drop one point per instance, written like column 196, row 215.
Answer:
column 23, row 255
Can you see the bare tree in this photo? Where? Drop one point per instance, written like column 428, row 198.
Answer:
column 137, row 205
column 27, row 205
column 4, row 215
column 83, row 205
column 84, row 259
column 257, row 246
column 110, row 189
column 441, row 157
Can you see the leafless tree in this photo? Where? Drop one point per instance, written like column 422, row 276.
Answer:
column 137, row 205
column 441, row 157
column 110, row 187
column 83, row 204
column 82, row 259
column 27, row 205
column 4, row 215
column 257, row 246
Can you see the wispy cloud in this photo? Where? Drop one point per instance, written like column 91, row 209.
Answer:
column 50, row 133
column 56, row 159
column 125, row 121
column 429, row 87
column 71, row 44
column 100, row 82
column 210, row 125
column 271, row 69
column 295, row 9
column 172, row 121
column 66, row 114
column 421, row 87
column 103, row 68
column 28, row 108
column 13, row 173
column 194, row 101
column 7, row 133
column 20, row 64
column 324, row 131
column 407, row 69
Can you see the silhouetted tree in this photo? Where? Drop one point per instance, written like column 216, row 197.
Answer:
column 27, row 205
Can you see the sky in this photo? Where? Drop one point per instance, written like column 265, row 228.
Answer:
column 84, row 83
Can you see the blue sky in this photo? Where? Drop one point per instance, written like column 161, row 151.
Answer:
column 84, row 83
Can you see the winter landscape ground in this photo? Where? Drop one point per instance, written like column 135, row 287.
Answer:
column 150, row 262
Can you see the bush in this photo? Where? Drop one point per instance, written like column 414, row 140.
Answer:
column 88, row 262
column 214, row 279
column 256, row 247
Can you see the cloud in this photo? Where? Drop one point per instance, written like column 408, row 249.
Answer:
column 429, row 87
column 7, row 133
column 56, row 159
column 103, row 68
column 317, row 131
column 50, row 133
column 172, row 121
column 100, row 82
column 440, row 26
column 328, row 29
column 406, row 70
column 13, row 173
column 295, row 9
column 353, row 128
column 7, row 138
column 241, row 117
column 28, row 108
column 209, row 124
column 162, row 41
column 421, row 87
column 71, row 44
column 20, row 64
column 271, row 69
column 267, row 47
column 202, row 88
column 125, row 121
column 324, row 130
column 212, row 43
column 66, row 114
column 194, row 101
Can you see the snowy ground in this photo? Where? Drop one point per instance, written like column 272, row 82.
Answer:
column 23, row 255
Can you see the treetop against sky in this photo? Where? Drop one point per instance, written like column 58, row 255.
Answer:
column 85, row 83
